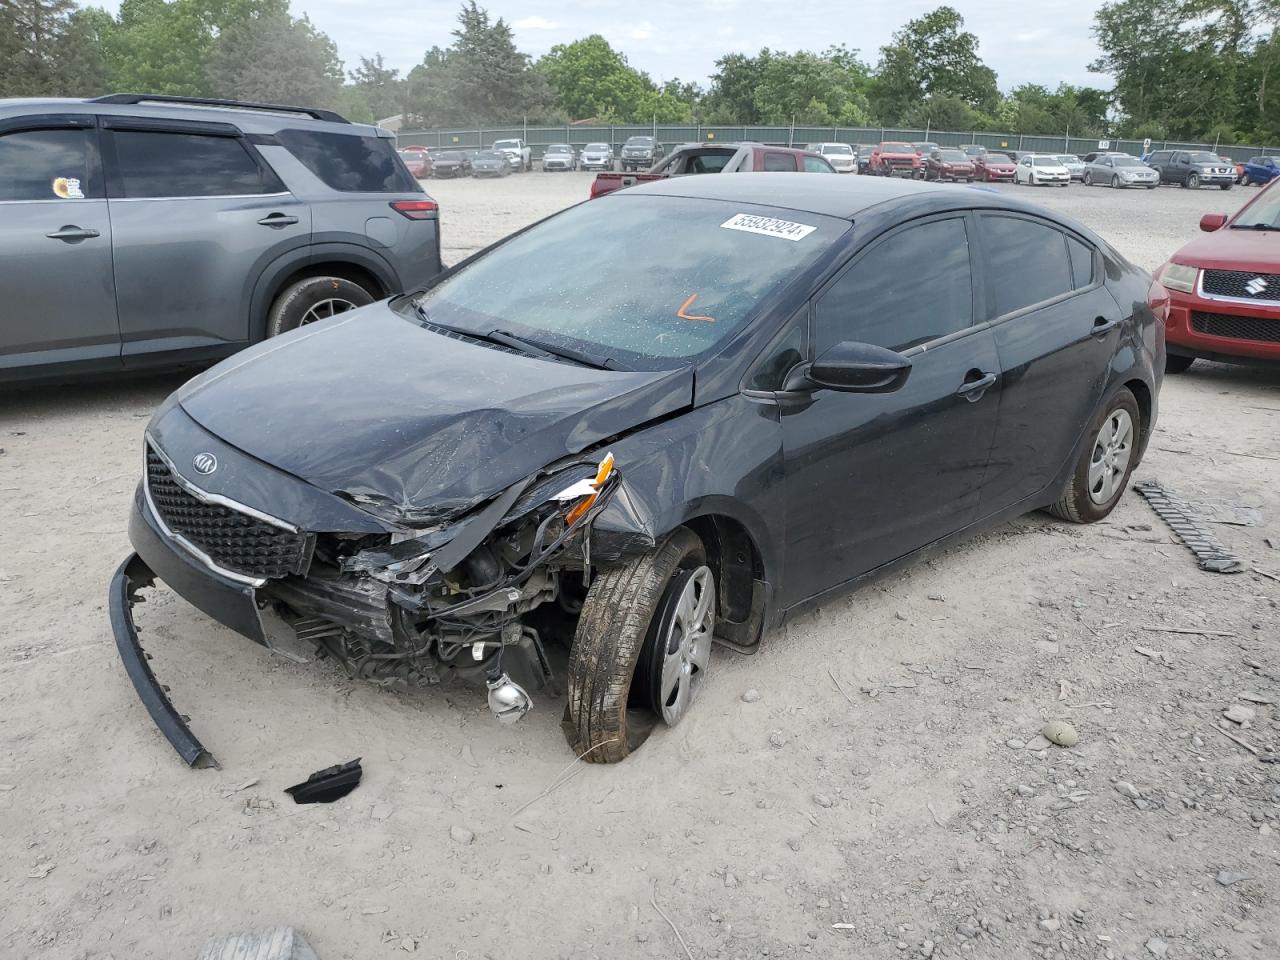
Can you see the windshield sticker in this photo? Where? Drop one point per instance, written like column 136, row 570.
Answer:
column 68, row 188
column 768, row 226
column 683, row 313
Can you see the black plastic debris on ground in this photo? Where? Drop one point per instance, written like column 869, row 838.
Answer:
column 327, row 785
column 1184, row 522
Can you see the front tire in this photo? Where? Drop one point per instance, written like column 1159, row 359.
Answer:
column 1224, row 186
column 1115, row 181
column 312, row 299
column 1106, row 463
column 1087, row 179
column 1193, row 181
column 1175, row 364
column 622, row 647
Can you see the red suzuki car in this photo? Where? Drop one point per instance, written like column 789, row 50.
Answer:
column 994, row 166
column 1224, row 288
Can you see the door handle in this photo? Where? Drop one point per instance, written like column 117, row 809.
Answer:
column 1103, row 325
column 973, row 390
column 70, row 233
column 277, row 220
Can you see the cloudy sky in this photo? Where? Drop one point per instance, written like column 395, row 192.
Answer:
column 1045, row 43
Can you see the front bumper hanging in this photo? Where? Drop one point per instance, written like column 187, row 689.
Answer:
column 132, row 576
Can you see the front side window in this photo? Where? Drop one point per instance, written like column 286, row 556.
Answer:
column 649, row 281
column 1027, row 262
column 912, row 287
column 49, row 165
column 349, row 163
column 779, row 162
column 155, row 164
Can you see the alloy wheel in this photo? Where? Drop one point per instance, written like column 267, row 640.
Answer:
column 1112, row 451
column 326, row 309
column 687, row 650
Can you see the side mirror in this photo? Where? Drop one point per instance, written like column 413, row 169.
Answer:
column 1212, row 221
column 852, row 367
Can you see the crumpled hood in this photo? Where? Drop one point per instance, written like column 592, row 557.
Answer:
column 412, row 425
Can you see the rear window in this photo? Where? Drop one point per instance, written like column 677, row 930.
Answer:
column 49, row 165
column 645, row 280
column 154, row 164
column 1014, row 244
column 352, row 164
column 837, row 149
column 782, row 162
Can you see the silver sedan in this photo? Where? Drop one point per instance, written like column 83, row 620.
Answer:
column 1120, row 170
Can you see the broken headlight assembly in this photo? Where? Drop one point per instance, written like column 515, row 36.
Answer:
column 453, row 600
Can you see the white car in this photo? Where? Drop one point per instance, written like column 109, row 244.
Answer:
column 1037, row 168
column 841, row 156
column 596, row 156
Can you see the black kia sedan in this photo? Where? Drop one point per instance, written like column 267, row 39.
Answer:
column 655, row 422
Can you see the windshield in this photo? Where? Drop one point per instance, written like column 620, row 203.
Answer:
column 412, row 155
column 596, row 147
column 487, row 155
column 506, row 145
column 997, row 158
column 639, row 141
column 449, row 155
column 1124, row 160
column 1045, row 162
column 953, row 156
column 837, row 149
column 1071, row 160
column 1262, row 213
column 645, row 280
column 1203, row 156
column 559, row 148
column 893, row 146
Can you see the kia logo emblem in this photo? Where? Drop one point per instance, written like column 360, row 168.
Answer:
column 205, row 464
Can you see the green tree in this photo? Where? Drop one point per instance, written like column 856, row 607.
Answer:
column 33, row 41
column 775, row 87
column 378, row 87
column 590, row 79
column 275, row 58
column 935, row 56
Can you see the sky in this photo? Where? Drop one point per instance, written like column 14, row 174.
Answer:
column 1047, row 42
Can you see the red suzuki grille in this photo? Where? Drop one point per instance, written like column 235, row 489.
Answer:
column 1258, row 329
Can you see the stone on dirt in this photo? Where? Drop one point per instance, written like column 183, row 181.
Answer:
column 1061, row 733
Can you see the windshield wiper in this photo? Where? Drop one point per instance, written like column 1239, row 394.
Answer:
column 537, row 347
column 1254, row 226
column 534, row 348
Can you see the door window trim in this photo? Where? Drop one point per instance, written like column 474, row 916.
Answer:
column 1095, row 279
column 977, row 282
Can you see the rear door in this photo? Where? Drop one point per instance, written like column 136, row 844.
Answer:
column 1056, row 329
column 196, row 216
column 57, row 293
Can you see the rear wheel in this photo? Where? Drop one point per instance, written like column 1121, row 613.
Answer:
column 312, row 299
column 644, row 640
column 1174, row 364
column 1106, row 463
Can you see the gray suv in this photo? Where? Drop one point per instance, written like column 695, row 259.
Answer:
column 144, row 230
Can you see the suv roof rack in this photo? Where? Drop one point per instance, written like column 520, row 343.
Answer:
column 130, row 98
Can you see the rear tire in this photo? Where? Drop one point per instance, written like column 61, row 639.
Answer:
column 312, row 299
column 1175, row 364
column 1106, row 462
column 624, row 610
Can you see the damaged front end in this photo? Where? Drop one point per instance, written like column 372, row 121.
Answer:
column 406, row 608
column 416, row 609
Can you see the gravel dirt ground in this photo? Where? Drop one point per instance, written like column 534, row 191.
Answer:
column 868, row 785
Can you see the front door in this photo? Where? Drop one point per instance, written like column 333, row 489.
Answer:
column 57, row 292
column 872, row 477
column 197, row 215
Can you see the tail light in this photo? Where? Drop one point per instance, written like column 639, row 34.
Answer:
column 598, row 189
column 416, row 209
column 1158, row 301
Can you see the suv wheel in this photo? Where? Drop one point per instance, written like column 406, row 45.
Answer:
column 1193, row 181
column 643, row 639
column 1105, row 463
column 312, row 299
column 1175, row 363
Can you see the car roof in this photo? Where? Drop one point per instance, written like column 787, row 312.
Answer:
column 833, row 196
column 247, row 117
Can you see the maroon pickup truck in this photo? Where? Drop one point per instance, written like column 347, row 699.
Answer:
column 694, row 158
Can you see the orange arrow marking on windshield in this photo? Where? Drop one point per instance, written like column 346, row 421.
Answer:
column 692, row 316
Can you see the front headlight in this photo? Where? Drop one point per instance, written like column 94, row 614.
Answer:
column 1178, row 276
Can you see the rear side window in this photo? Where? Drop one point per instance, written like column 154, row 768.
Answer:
column 1027, row 262
column 910, row 288
column 49, row 165
column 814, row 165
column 1081, row 263
column 153, row 164
column 780, row 162
column 349, row 163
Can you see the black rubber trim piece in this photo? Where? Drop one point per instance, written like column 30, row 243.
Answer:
column 132, row 576
column 1177, row 513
